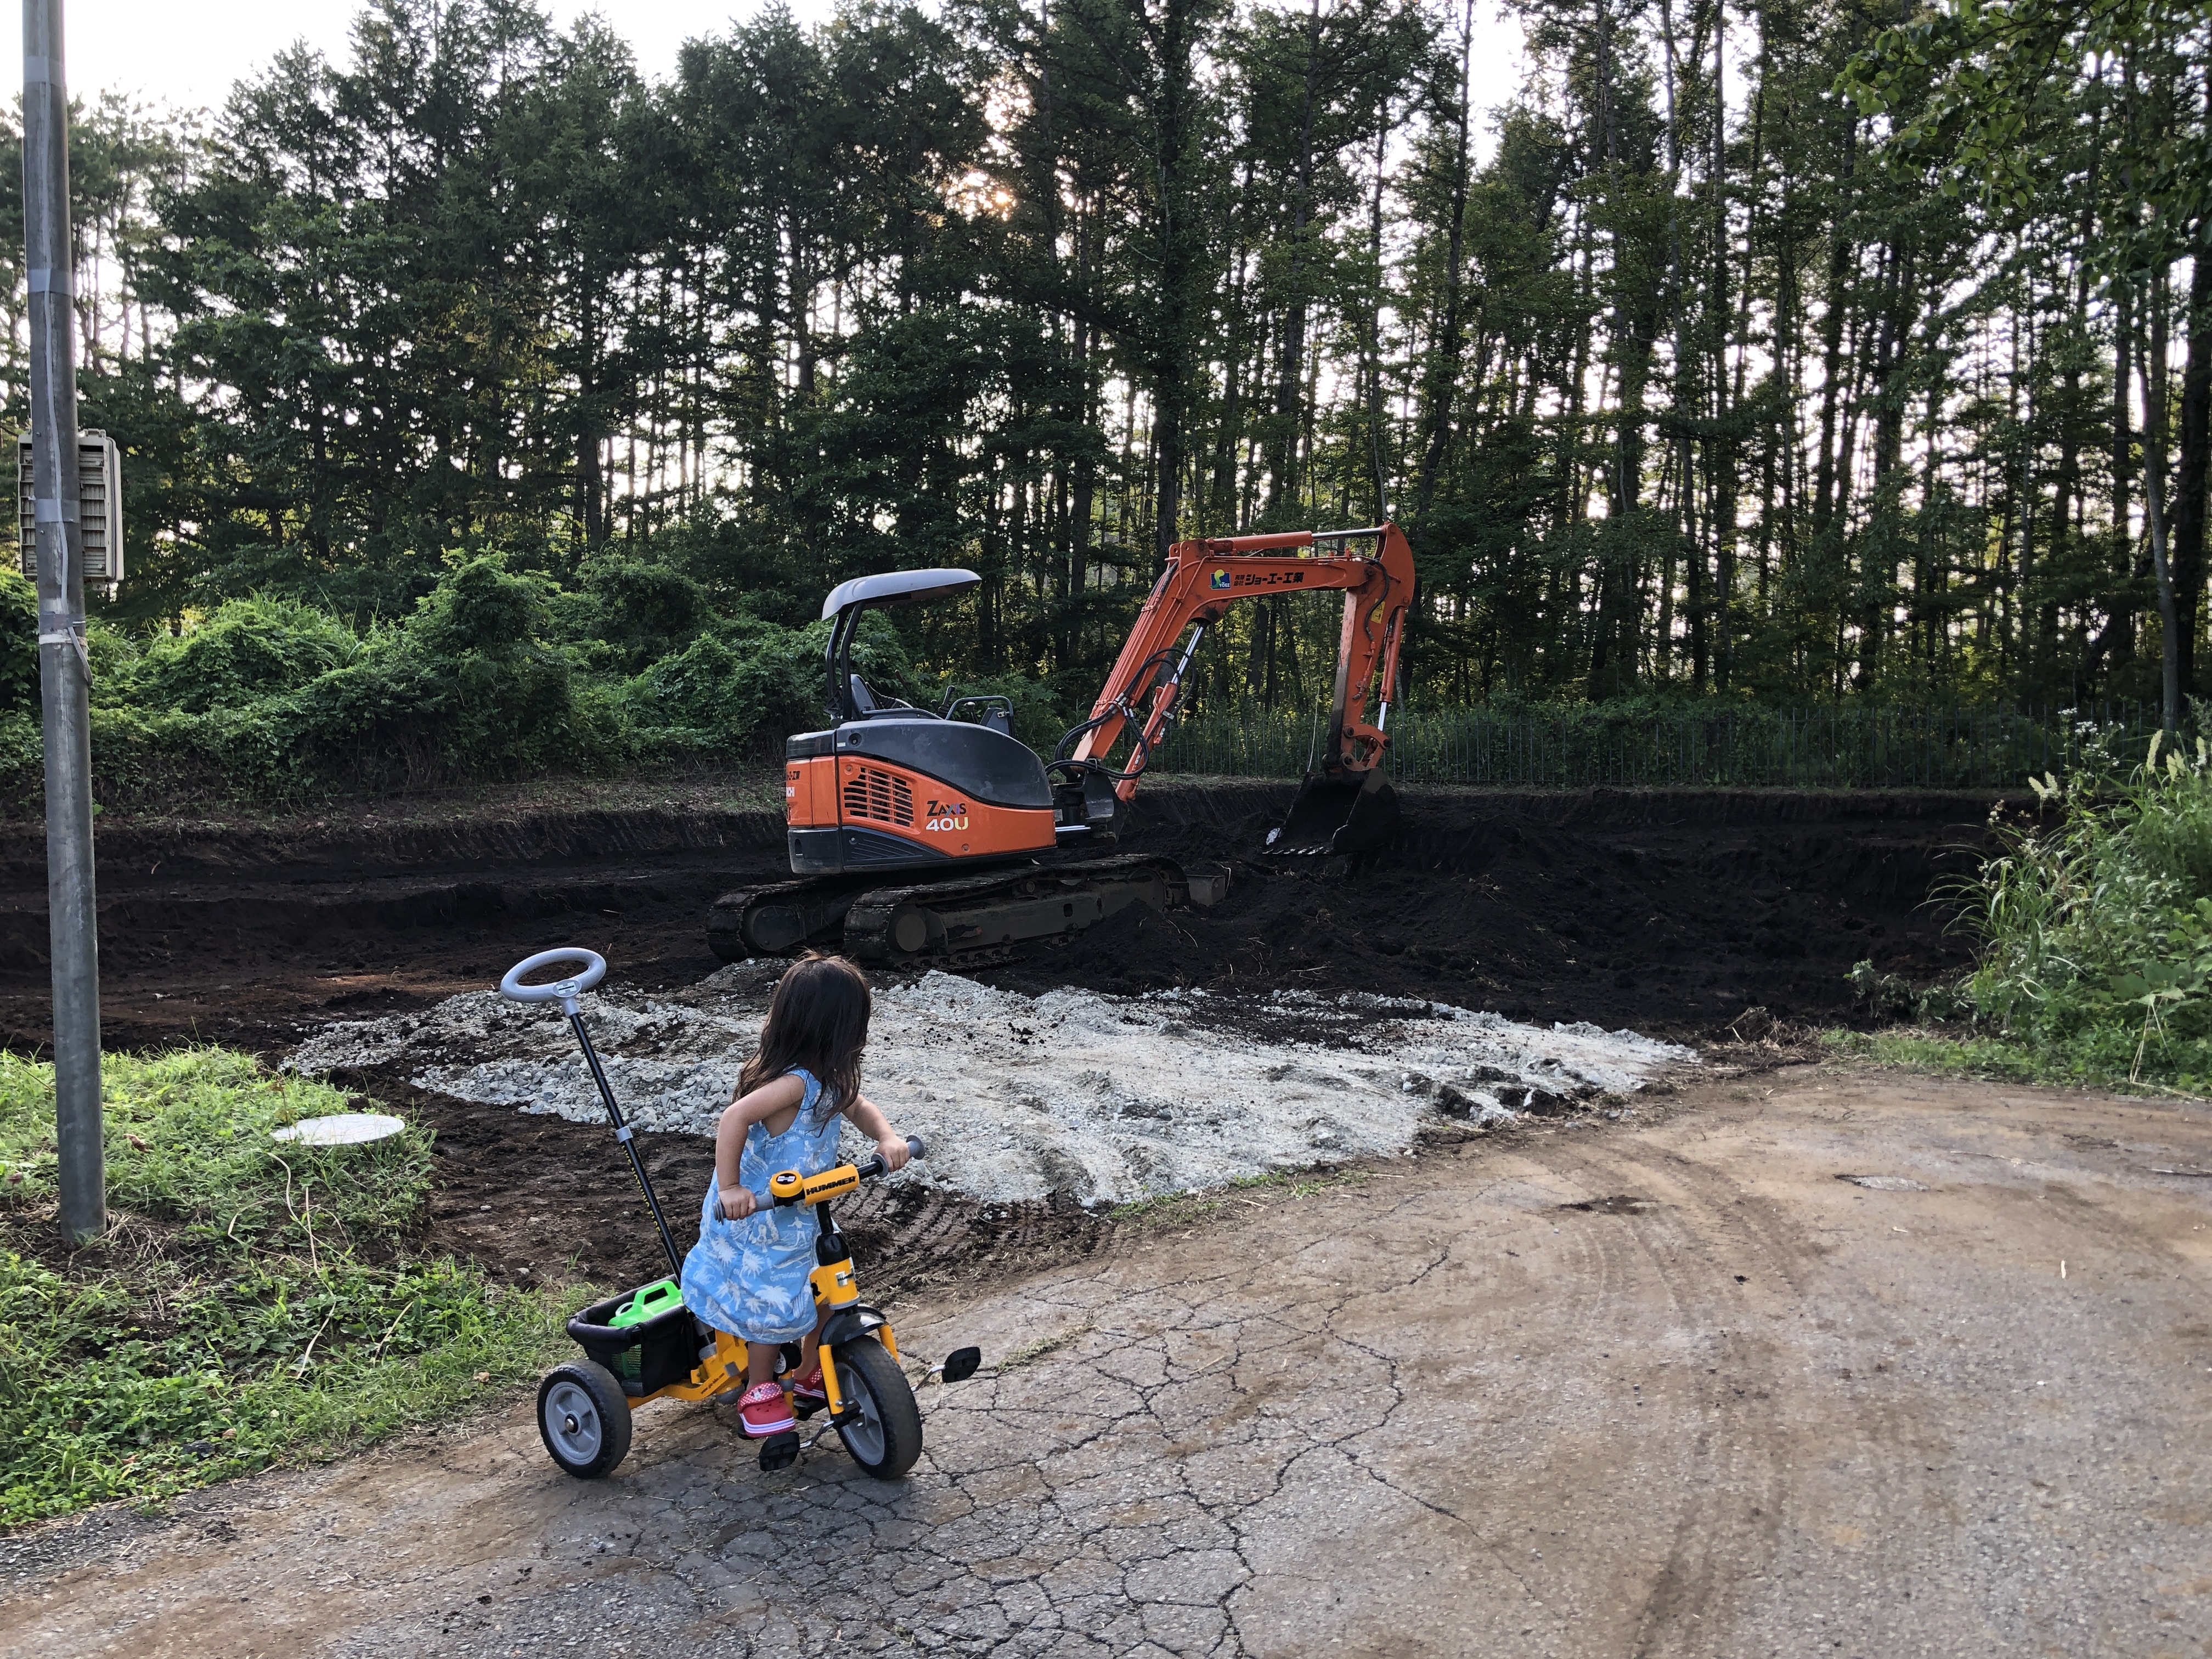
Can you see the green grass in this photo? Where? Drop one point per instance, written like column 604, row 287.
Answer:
column 2102, row 1061
column 2093, row 929
column 252, row 1303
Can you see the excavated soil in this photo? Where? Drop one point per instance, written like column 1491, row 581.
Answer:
column 1668, row 912
column 1674, row 914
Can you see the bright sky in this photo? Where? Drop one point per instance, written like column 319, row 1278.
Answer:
column 187, row 55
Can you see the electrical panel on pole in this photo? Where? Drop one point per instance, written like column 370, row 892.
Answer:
column 98, row 509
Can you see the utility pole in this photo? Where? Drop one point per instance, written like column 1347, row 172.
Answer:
column 64, row 676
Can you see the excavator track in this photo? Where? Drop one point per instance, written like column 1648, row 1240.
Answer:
column 772, row 921
column 968, row 922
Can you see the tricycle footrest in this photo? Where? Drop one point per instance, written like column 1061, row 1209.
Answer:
column 779, row 1451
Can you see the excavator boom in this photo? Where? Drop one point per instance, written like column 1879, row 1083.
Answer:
column 1344, row 802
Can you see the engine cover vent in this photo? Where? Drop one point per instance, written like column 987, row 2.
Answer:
column 883, row 797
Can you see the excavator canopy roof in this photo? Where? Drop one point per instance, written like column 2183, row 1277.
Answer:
column 897, row 588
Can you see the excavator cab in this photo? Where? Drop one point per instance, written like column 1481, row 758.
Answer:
column 891, row 786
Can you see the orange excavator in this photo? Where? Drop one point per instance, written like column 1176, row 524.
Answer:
column 986, row 844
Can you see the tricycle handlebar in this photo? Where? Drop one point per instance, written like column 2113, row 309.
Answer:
column 789, row 1186
column 874, row 1166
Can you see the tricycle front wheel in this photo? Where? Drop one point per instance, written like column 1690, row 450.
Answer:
column 882, row 1426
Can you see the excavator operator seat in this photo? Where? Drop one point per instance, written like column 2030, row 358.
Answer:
column 863, row 701
column 851, row 697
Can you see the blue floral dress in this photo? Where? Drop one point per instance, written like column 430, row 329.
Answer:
column 748, row 1278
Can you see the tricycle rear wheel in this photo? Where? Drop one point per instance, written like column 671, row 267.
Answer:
column 583, row 1417
column 882, row 1427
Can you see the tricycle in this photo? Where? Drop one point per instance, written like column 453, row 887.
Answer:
column 645, row 1345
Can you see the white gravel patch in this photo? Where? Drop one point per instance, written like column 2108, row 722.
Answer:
column 1106, row 1098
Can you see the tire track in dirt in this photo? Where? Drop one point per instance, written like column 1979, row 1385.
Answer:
column 1690, row 1239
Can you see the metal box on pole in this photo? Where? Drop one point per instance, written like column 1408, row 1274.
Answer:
column 98, row 508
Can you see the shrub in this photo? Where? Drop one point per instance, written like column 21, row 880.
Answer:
column 247, row 650
column 630, row 611
column 480, row 608
column 272, row 702
column 19, row 644
column 466, row 688
column 751, row 683
column 2096, row 930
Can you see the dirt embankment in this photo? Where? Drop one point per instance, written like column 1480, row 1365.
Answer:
column 1669, row 911
column 251, row 936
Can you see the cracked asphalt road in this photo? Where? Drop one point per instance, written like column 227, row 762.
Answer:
column 1672, row 1389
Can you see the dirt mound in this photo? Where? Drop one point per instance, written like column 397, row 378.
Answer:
column 534, row 1199
column 1669, row 911
column 1135, row 951
column 1076, row 1092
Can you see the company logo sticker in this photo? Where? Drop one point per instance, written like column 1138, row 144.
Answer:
column 1220, row 579
column 947, row 815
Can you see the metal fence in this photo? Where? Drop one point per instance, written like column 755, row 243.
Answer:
column 1845, row 746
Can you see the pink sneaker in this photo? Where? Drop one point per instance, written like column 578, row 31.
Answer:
column 764, row 1411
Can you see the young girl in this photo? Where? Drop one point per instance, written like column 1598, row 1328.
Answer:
column 748, row 1273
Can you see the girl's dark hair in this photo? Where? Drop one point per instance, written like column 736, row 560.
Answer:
column 818, row 1019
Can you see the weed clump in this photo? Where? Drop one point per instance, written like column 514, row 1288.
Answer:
column 253, row 1301
column 2095, row 930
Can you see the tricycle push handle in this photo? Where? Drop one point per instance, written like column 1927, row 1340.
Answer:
column 563, row 991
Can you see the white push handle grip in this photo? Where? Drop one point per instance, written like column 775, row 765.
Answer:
column 563, row 991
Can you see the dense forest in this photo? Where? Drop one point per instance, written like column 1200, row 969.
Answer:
column 1787, row 351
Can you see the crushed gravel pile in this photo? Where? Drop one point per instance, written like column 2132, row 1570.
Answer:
column 1100, row 1098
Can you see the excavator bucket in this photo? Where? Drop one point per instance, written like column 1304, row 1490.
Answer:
column 1337, row 812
